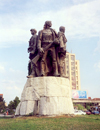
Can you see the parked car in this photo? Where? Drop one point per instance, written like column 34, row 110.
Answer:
column 95, row 112
column 79, row 112
column 83, row 113
column 88, row 112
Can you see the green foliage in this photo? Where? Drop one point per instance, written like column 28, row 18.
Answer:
column 1, row 99
column 2, row 104
column 87, row 107
column 80, row 107
column 13, row 104
column 84, row 109
column 83, row 122
column 16, row 102
column 89, row 104
column 11, row 111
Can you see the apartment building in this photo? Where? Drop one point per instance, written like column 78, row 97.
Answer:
column 73, row 71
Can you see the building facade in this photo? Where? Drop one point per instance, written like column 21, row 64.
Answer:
column 73, row 71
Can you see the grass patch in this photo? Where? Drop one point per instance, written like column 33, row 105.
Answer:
column 87, row 122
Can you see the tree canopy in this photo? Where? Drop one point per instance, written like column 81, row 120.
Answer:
column 2, row 104
column 13, row 104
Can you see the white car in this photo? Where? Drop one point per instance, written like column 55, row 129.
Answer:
column 79, row 112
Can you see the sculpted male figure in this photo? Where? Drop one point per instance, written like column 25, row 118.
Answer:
column 45, row 37
column 62, row 50
column 33, row 52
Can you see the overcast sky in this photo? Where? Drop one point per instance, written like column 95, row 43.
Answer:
column 81, row 19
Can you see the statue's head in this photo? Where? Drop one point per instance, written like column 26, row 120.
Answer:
column 33, row 31
column 62, row 29
column 48, row 23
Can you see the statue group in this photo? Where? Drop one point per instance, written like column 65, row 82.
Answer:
column 47, row 52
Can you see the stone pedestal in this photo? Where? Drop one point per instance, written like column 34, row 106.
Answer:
column 46, row 96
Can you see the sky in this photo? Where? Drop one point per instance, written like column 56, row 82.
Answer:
column 81, row 19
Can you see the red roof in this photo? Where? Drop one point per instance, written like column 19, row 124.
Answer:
column 1, row 95
column 96, row 98
column 89, row 97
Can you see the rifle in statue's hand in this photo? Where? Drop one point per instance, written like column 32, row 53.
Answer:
column 36, row 58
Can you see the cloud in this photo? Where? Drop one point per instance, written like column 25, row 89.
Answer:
column 97, row 66
column 11, row 88
column 2, row 69
column 81, row 21
column 43, row 1
column 14, row 88
column 12, row 83
column 11, row 92
column 97, row 49
column 15, row 71
column 81, row 1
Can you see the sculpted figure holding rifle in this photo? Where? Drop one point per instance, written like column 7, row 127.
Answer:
column 47, row 52
column 32, row 50
column 48, row 63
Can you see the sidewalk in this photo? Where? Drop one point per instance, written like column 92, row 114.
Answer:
column 2, row 115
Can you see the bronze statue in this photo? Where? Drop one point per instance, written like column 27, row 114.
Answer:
column 48, row 57
column 47, row 52
column 62, row 51
column 33, row 52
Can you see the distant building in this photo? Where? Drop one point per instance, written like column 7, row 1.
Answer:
column 1, row 95
column 96, row 99
column 89, row 97
column 73, row 71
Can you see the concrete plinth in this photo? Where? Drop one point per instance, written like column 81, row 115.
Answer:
column 46, row 96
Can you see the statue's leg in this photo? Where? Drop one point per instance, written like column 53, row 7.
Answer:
column 33, row 71
column 54, row 62
column 42, row 64
column 61, row 68
column 62, row 65
column 29, row 67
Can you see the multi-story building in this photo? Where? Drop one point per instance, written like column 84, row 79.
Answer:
column 73, row 71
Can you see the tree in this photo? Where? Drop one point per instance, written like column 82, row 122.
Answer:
column 2, row 104
column 16, row 102
column 88, row 105
column 80, row 107
column 13, row 104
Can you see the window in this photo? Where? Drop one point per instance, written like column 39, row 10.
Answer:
column 72, row 57
column 72, row 68
column 67, row 61
column 72, row 63
column 76, row 77
column 73, row 74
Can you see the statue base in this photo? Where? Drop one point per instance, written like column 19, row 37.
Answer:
column 49, row 96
